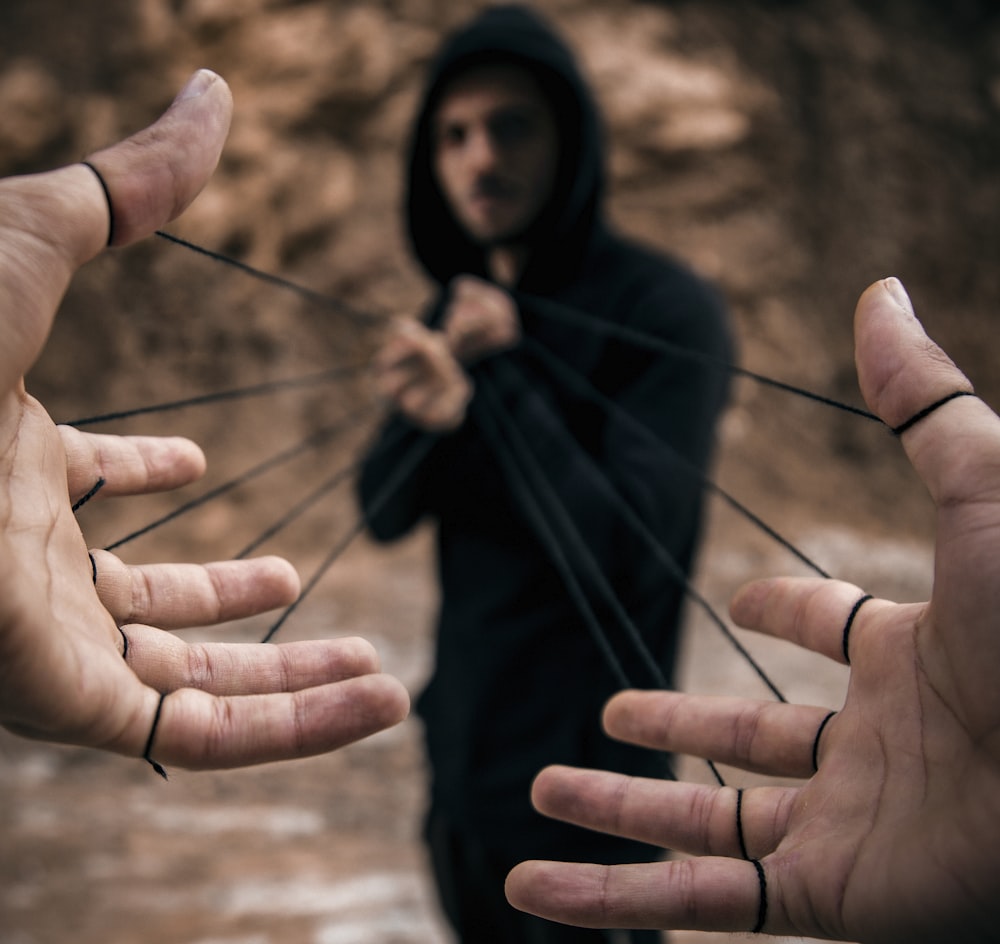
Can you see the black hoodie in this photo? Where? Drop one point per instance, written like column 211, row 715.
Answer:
column 519, row 679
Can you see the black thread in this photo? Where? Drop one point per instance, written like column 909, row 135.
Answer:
column 125, row 641
column 517, row 479
column 107, row 197
column 550, row 309
column 572, row 535
column 739, row 825
column 927, row 410
column 850, row 623
column 762, row 907
column 662, row 555
column 86, row 498
column 317, row 298
column 152, row 734
column 93, row 567
column 301, row 507
column 546, row 308
column 261, row 389
column 819, row 734
column 410, row 461
column 584, row 388
column 313, row 441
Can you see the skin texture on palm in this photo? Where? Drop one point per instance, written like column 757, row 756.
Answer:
column 62, row 632
column 894, row 836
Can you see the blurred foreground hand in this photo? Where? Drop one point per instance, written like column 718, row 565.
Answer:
column 67, row 618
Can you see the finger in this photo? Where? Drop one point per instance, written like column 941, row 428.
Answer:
column 696, row 894
column 437, row 408
column 178, row 595
column 129, row 465
column 200, row 731
column 818, row 614
column 153, row 176
column 685, row 817
column 956, row 448
column 167, row 663
column 760, row 736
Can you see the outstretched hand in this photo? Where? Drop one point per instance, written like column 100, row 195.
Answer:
column 896, row 835
column 80, row 661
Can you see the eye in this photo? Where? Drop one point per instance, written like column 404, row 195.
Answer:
column 451, row 135
column 512, row 128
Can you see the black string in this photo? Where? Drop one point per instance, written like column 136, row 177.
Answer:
column 579, row 319
column 297, row 510
column 762, row 907
column 546, row 308
column 845, row 643
column 301, row 507
column 317, row 298
column 819, row 734
column 579, row 384
column 518, row 479
column 666, row 559
column 576, row 318
column 739, row 825
column 107, row 198
column 311, row 442
column 409, row 462
column 926, row 411
column 152, row 734
column 529, row 505
column 86, row 498
column 532, row 477
column 261, row 389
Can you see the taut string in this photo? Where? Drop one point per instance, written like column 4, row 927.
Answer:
column 311, row 442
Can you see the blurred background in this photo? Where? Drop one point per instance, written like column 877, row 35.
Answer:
column 791, row 151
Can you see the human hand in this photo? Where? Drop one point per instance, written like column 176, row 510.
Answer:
column 480, row 319
column 66, row 619
column 417, row 373
column 894, row 837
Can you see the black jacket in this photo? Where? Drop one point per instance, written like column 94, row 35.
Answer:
column 519, row 680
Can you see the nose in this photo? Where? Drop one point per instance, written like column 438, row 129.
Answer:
column 482, row 151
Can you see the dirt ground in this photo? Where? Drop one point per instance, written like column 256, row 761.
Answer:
column 792, row 152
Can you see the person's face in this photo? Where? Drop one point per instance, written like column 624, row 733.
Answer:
column 495, row 152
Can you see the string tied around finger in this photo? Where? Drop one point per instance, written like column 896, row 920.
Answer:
column 739, row 825
column 146, row 754
column 762, row 907
column 816, row 740
column 107, row 198
column 845, row 644
column 928, row 410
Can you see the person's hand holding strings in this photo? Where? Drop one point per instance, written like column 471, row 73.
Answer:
column 79, row 663
column 422, row 371
column 895, row 834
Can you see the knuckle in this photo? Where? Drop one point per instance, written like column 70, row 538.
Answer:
column 199, row 672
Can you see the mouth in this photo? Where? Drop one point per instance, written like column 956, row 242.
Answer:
column 493, row 190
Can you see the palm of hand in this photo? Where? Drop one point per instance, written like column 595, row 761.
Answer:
column 886, row 832
column 50, row 595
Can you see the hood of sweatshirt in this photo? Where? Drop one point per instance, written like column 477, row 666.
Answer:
column 559, row 238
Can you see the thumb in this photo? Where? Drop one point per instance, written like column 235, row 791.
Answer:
column 52, row 223
column 152, row 176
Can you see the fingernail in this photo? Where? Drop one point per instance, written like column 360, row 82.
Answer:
column 896, row 290
column 196, row 85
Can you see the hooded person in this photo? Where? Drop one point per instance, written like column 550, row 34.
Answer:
column 567, row 519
